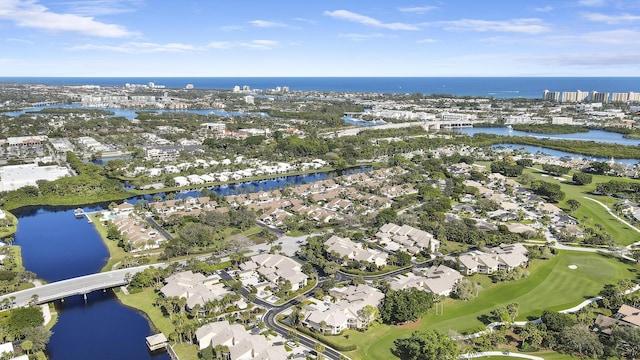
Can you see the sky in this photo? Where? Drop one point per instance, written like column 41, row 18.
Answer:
column 214, row 38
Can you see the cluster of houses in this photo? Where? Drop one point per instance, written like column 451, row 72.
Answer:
column 344, row 250
column 626, row 316
column 268, row 273
column 135, row 230
column 239, row 343
column 439, row 280
column 187, row 206
column 197, row 289
column 347, row 312
column 516, row 205
column 502, row 257
column 406, row 238
column 254, row 167
column 326, row 200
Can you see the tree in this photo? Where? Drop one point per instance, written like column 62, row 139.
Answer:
column 465, row 290
column 612, row 296
column 573, row 205
column 556, row 321
column 626, row 340
column 23, row 318
column 386, row 216
column 555, row 170
column 295, row 317
column 368, row 314
column 27, row 346
column 599, row 168
column 581, row 339
column 581, row 178
column 319, row 348
column 426, row 344
column 405, row 305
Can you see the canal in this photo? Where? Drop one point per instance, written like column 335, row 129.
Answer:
column 56, row 245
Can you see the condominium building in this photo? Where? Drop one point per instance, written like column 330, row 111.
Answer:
column 551, row 96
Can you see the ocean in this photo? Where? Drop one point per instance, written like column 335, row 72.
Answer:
column 498, row 87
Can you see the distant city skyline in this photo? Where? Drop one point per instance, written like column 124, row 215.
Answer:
column 319, row 38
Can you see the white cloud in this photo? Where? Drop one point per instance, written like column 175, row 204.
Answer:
column 426, row 41
column 620, row 37
column 305, row 20
column 544, row 8
column 587, row 59
column 418, row 9
column 266, row 24
column 259, row 44
column 611, row 19
column 366, row 20
column 591, row 3
column 362, row 37
column 219, row 45
column 30, row 14
column 101, row 7
column 139, row 47
column 253, row 44
column 19, row 41
column 526, row 26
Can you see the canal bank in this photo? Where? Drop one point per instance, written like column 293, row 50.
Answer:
column 58, row 245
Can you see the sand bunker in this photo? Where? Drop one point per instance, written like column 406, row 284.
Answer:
column 572, row 267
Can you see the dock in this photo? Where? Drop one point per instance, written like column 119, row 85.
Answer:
column 156, row 342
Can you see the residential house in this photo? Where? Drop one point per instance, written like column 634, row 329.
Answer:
column 345, row 250
column 407, row 238
column 347, row 312
column 241, row 344
column 440, row 280
column 195, row 287
column 503, row 257
column 275, row 269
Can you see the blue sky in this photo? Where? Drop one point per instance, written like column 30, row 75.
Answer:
column 319, row 38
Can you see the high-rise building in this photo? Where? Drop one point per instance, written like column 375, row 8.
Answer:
column 620, row 97
column 551, row 95
column 598, row 97
column 575, row 96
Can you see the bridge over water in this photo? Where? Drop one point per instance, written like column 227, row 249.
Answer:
column 81, row 285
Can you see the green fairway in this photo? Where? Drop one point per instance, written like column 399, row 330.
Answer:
column 590, row 212
column 551, row 285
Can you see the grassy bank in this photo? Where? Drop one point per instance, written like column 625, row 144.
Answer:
column 10, row 228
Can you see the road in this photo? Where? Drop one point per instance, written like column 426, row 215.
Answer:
column 273, row 311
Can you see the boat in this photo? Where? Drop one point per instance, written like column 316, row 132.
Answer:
column 79, row 212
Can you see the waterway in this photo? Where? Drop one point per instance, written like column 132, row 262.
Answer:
column 56, row 245
column 591, row 135
column 131, row 114
column 558, row 153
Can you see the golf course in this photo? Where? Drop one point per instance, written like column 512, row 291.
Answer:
column 551, row 285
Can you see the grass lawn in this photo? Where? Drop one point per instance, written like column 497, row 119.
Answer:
column 143, row 301
column 11, row 228
column 551, row 285
column 592, row 212
column 186, row 351
column 546, row 355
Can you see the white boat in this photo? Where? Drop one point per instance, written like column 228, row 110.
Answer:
column 79, row 212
